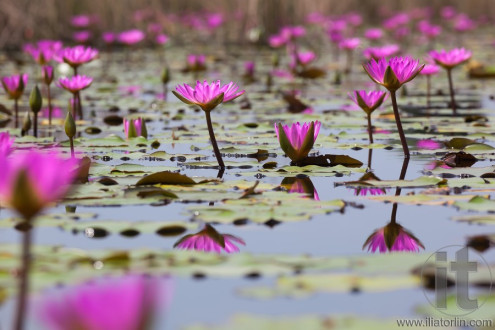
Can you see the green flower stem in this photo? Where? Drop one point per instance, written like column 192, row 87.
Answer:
column 405, row 148
column 23, row 289
column 370, row 133
column 49, row 105
column 452, row 96
column 71, row 141
column 214, row 141
column 35, row 127
column 16, row 110
column 428, row 93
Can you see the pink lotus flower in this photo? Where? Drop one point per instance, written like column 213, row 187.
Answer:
column 209, row 240
column 154, row 28
column 78, row 55
column 303, row 58
column 380, row 52
column 80, row 21
column 297, row 140
column 196, row 62
column 207, row 96
column 214, row 20
column 56, row 112
column 129, row 302
column 463, row 23
column 450, row 58
column 30, row 181
column 131, row 37
column 108, row 37
column 82, row 36
column 373, row 34
column 354, row 19
column 448, row 12
column 428, row 144
column 396, row 21
column 6, row 144
column 249, row 68
column 429, row 30
column 75, row 84
column 393, row 73
column 368, row 101
column 430, row 70
column 349, row 44
column 14, row 85
column 161, row 39
column 134, row 128
column 130, row 90
column 277, row 41
column 392, row 237
column 47, row 74
column 44, row 51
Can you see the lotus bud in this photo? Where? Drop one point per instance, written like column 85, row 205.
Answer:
column 70, row 126
column 35, row 100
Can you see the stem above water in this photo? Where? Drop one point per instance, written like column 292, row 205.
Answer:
column 370, row 132
column 403, row 141
column 452, row 96
column 213, row 140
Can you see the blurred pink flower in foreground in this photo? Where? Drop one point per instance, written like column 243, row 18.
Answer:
column 207, row 96
column 14, row 85
column 78, row 55
column 450, row 58
column 209, row 240
column 131, row 37
column 392, row 237
column 6, row 143
column 297, row 140
column 428, row 144
column 403, row 69
column 31, row 180
column 129, row 302
column 75, row 84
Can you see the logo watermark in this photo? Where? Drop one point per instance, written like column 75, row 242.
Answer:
column 448, row 272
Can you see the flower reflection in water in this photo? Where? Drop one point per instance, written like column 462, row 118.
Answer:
column 209, row 240
column 302, row 185
column 364, row 191
column 394, row 237
column 126, row 303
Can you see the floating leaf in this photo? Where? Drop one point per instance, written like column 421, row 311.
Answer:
column 166, row 177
